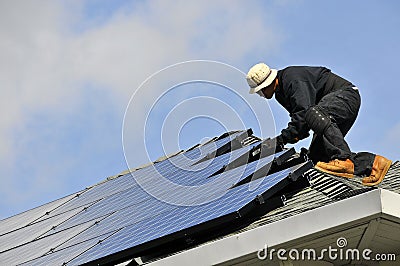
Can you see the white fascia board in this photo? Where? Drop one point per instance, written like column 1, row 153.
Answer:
column 352, row 210
column 390, row 204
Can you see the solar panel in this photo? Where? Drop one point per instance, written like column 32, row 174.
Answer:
column 167, row 222
column 108, row 220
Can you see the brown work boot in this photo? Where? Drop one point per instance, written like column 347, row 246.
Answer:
column 343, row 168
column 379, row 169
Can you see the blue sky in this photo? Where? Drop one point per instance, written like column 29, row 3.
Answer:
column 68, row 70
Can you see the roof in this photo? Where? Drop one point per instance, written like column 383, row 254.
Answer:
column 274, row 197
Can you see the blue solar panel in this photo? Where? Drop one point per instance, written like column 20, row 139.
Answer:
column 121, row 215
column 167, row 223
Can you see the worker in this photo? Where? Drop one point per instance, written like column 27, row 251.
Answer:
column 326, row 103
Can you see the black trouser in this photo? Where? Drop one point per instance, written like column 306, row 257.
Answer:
column 342, row 107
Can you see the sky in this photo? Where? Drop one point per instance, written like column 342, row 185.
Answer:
column 90, row 88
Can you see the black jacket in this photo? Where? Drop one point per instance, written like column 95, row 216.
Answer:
column 301, row 87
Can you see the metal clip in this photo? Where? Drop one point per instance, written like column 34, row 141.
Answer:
column 283, row 198
column 260, row 199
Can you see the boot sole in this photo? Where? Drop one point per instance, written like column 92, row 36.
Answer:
column 346, row 175
column 384, row 172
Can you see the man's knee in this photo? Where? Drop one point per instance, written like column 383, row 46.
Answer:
column 317, row 119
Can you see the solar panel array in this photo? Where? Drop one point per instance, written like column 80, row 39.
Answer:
column 118, row 218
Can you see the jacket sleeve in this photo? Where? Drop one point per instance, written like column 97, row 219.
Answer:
column 299, row 100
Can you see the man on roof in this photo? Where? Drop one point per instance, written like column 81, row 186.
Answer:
column 327, row 104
